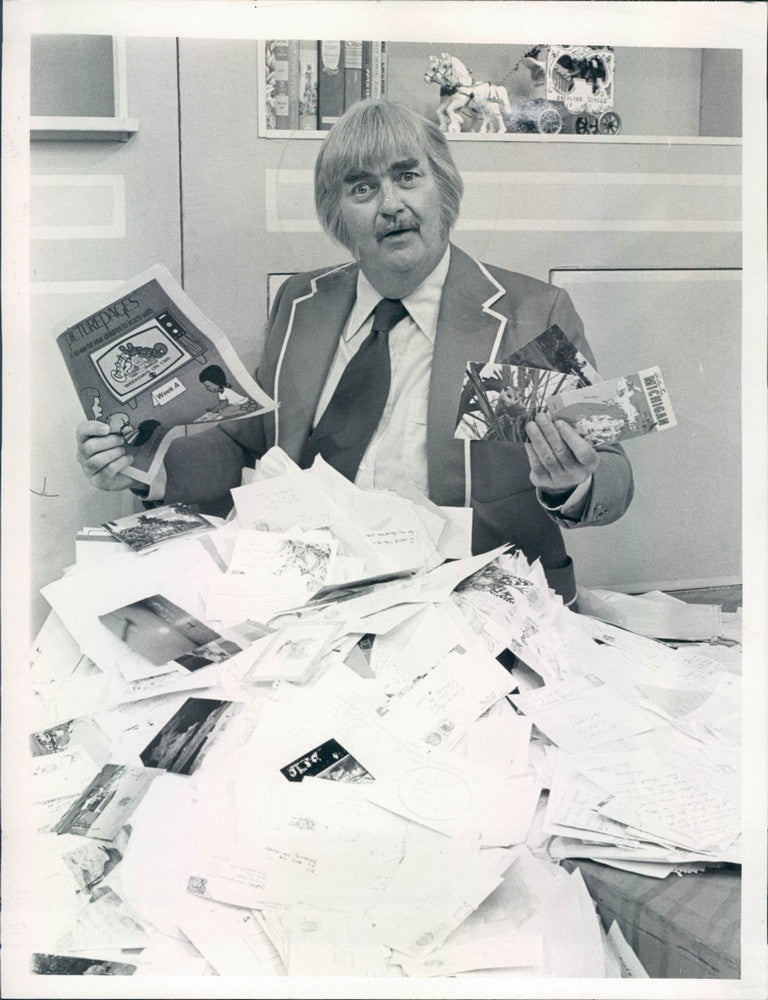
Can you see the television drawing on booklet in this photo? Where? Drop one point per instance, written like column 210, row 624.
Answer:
column 152, row 367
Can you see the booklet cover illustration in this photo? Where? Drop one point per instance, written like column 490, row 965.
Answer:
column 618, row 408
column 150, row 365
column 498, row 400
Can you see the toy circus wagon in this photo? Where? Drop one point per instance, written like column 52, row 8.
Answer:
column 572, row 80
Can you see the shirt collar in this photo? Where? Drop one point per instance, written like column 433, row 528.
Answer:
column 423, row 304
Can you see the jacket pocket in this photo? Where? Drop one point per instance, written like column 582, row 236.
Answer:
column 499, row 469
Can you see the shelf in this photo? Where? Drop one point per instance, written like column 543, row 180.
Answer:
column 82, row 129
column 658, row 140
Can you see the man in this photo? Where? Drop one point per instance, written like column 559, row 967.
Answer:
column 366, row 361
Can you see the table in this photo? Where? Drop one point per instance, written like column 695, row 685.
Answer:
column 685, row 927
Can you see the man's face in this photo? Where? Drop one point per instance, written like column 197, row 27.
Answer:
column 393, row 219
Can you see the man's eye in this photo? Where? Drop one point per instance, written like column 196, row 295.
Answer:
column 361, row 190
column 408, row 177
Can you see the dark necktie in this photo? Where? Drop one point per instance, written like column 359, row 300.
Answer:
column 345, row 429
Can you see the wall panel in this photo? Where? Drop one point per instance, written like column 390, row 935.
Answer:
column 101, row 212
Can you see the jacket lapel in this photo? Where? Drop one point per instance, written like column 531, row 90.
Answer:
column 468, row 329
column 315, row 324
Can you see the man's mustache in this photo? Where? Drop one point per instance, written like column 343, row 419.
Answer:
column 404, row 225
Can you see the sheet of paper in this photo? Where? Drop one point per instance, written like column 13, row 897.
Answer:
column 325, row 942
column 646, row 650
column 509, row 811
column 631, row 967
column 438, row 584
column 298, row 500
column 500, row 945
column 498, row 742
column 292, row 653
column 439, row 707
column 93, row 545
column 66, row 772
column 270, row 572
column 436, row 886
column 315, row 811
column 53, row 658
column 436, row 790
column 414, row 647
column 582, row 713
column 82, row 732
column 674, row 805
column 456, row 540
column 381, row 622
column 155, row 871
column 275, row 922
column 230, row 938
column 103, row 922
column 655, row 615
column 182, row 578
column 573, row 809
column 122, row 691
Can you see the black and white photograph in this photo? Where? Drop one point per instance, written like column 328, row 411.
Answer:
column 497, row 401
column 84, row 731
column 107, row 803
column 434, row 274
column 91, row 863
column 145, row 530
column 73, row 965
column 181, row 744
column 329, row 760
column 158, row 629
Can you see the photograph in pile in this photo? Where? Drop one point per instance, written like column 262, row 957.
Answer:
column 329, row 760
column 107, row 803
column 84, row 732
column 183, row 741
column 90, row 863
column 158, row 629
column 232, row 641
column 71, row 965
column 498, row 400
column 147, row 529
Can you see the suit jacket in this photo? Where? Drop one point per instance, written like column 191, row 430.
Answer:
column 486, row 313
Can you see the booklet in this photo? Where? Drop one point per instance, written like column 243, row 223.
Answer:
column 619, row 408
column 150, row 365
column 498, row 400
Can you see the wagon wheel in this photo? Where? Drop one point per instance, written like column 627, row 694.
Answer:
column 549, row 121
column 608, row 123
column 586, row 125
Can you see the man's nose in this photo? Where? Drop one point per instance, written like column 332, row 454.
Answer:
column 391, row 198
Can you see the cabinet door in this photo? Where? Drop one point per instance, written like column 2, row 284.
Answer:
column 683, row 528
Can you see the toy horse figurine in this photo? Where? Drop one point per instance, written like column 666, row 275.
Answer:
column 459, row 91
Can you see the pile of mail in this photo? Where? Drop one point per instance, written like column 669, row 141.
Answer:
column 317, row 739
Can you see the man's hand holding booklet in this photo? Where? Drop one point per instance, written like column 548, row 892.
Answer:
column 149, row 365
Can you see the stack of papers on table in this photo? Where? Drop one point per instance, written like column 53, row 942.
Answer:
column 356, row 718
